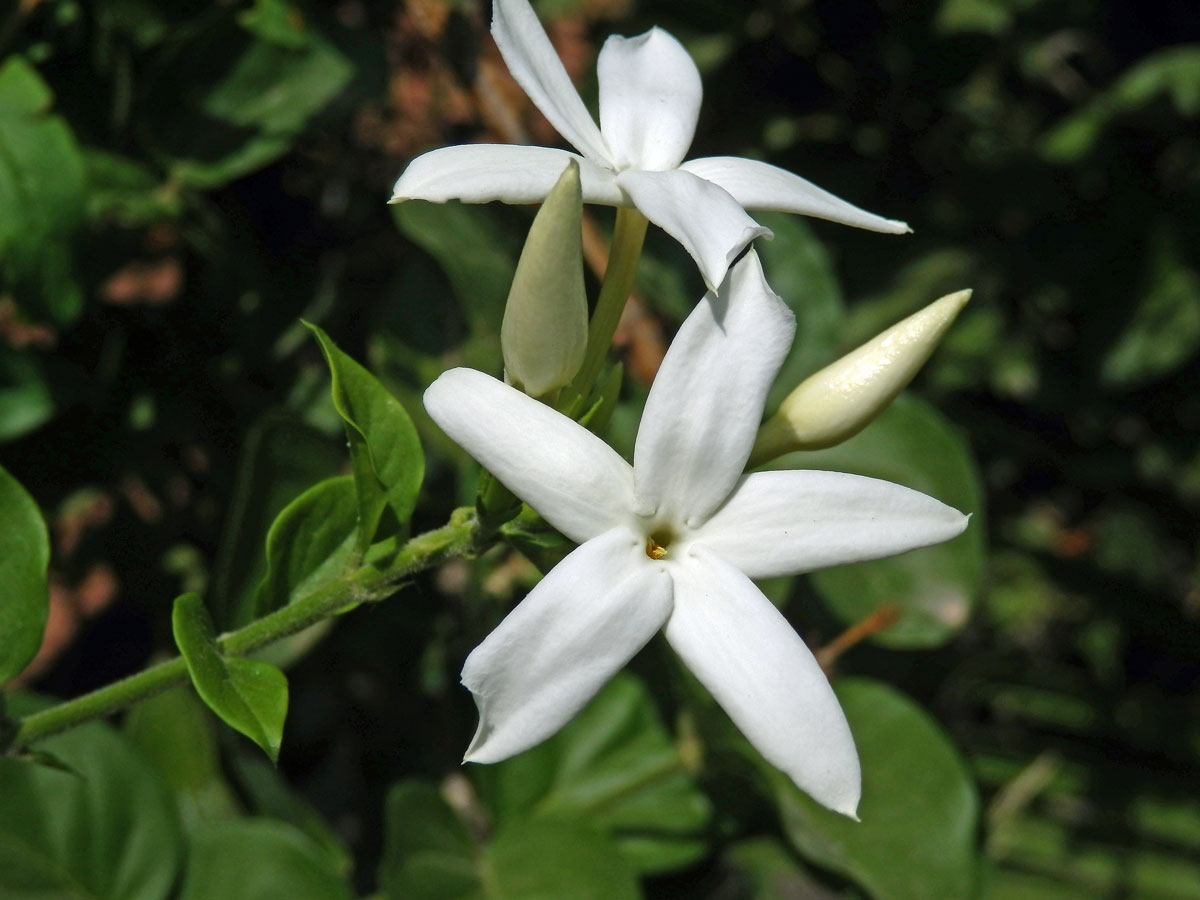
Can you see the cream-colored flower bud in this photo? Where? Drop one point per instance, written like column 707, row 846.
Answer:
column 544, row 333
column 843, row 398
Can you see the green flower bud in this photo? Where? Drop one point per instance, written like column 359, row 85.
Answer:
column 843, row 398
column 544, row 333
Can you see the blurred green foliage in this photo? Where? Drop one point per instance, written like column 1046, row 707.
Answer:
column 181, row 183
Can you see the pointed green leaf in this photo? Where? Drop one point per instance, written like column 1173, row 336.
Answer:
column 309, row 544
column 615, row 767
column 107, row 829
column 385, row 451
column 253, row 859
column 24, row 593
column 919, row 808
column 249, row 696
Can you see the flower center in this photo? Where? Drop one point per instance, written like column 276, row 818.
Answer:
column 658, row 542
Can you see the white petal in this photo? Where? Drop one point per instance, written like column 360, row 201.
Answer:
column 650, row 95
column 756, row 666
column 576, row 481
column 787, row 522
column 481, row 173
column 709, row 223
column 582, row 623
column 536, row 67
column 759, row 185
column 706, row 402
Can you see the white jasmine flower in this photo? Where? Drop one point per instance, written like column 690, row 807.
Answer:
column 649, row 102
column 673, row 542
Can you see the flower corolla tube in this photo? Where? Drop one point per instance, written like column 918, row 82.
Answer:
column 650, row 95
column 673, row 541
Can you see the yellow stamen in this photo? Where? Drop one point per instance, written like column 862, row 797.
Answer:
column 655, row 550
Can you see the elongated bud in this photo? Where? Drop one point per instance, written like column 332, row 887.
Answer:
column 544, row 333
column 843, row 398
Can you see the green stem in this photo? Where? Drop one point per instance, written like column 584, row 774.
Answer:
column 372, row 582
column 623, row 256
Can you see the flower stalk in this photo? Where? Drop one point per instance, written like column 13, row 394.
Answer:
column 372, row 582
column 629, row 233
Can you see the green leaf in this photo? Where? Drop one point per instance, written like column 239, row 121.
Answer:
column 989, row 17
column 110, row 832
column 800, row 271
column 615, row 767
column 281, row 458
column 277, row 21
column 385, row 450
column 1173, row 72
column 24, row 556
column 1164, row 332
column 478, row 258
column 310, row 543
column 252, row 859
column 42, row 193
column 248, row 95
column 935, row 588
column 545, row 860
column 429, row 854
column 126, row 192
column 248, row 695
column 266, row 792
column 26, row 400
column 174, row 732
column 919, row 809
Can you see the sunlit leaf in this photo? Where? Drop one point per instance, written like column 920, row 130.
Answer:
column 919, row 808
column 310, row 543
column 250, row 696
column 385, row 451
column 24, row 592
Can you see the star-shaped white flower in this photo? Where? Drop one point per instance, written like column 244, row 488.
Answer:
column 649, row 101
column 673, row 541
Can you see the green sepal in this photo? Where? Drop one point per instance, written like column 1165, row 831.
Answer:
column 248, row 695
